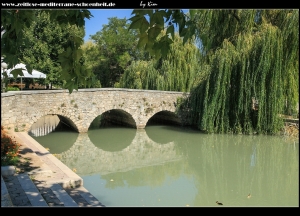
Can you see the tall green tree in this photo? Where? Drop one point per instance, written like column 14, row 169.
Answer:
column 253, row 58
column 47, row 40
column 13, row 26
column 178, row 71
column 91, row 61
column 117, row 48
column 180, row 67
column 139, row 74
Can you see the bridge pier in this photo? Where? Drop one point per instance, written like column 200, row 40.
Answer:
column 83, row 130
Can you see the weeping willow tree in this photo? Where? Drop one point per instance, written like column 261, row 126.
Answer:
column 139, row 75
column 176, row 72
column 252, row 59
column 180, row 67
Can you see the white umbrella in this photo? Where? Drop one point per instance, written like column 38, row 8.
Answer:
column 35, row 73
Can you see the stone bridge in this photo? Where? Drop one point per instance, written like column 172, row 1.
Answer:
column 131, row 107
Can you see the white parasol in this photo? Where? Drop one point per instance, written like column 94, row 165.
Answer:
column 35, row 73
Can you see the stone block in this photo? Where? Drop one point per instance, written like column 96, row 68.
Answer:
column 8, row 170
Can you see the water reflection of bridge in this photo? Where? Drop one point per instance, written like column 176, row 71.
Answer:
column 86, row 158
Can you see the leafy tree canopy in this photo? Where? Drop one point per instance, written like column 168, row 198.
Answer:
column 47, row 40
column 13, row 40
column 115, row 47
column 151, row 23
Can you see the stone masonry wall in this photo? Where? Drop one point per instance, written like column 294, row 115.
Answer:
column 19, row 110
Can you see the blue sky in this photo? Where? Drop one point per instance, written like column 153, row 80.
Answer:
column 100, row 18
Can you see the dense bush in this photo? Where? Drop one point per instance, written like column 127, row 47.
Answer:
column 9, row 88
column 9, row 149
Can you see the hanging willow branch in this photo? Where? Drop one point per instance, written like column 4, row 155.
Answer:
column 253, row 64
column 177, row 72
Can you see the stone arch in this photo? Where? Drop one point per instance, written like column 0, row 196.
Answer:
column 164, row 117
column 115, row 117
column 68, row 121
column 52, row 123
column 69, row 117
column 44, row 125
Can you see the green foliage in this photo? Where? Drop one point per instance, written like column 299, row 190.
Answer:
column 181, row 66
column 23, row 31
column 112, row 50
column 178, row 71
column 139, row 75
column 47, row 40
column 159, row 21
column 12, row 24
column 254, row 56
column 12, row 89
column 9, row 149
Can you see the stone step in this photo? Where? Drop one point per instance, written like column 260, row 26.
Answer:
column 20, row 190
column 5, row 198
column 83, row 197
column 63, row 196
column 31, row 191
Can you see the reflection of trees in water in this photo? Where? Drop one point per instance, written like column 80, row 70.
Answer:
column 147, row 176
column 228, row 167
column 169, row 133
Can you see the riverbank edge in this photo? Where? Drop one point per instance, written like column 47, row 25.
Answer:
column 43, row 162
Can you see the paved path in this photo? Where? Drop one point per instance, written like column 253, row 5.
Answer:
column 51, row 183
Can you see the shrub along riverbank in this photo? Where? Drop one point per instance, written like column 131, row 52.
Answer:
column 9, row 149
